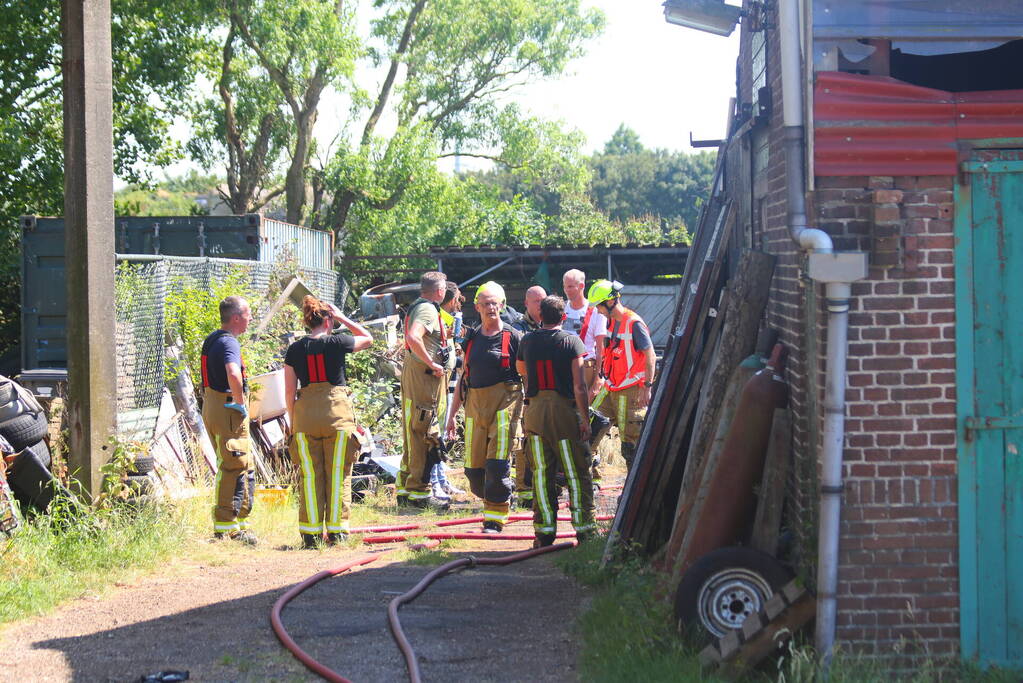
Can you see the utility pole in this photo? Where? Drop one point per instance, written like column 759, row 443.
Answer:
column 89, row 236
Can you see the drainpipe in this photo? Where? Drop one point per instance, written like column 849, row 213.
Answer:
column 837, row 271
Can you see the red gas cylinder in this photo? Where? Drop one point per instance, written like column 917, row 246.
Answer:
column 730, row 504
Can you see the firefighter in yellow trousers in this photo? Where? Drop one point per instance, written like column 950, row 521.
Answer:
column 491, row 391
column 628, row 366
column 427, row 356
column 227, row 421
column 323, row 445
column 556, row 422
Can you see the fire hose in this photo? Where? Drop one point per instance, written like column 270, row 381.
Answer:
column 433, row 540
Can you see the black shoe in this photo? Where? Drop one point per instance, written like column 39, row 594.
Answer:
column 310, row 541
column 491, row 527
column 430, row 503
column 336, row 538
column 403, row 502
column 543, row 540
column 583, row 536
column 524, row 504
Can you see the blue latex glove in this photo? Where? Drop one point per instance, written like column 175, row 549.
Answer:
column 240, row 407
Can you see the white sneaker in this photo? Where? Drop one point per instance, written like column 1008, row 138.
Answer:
column 452, row 490
column 440, row 493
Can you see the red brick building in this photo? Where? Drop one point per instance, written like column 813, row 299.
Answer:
column 912, row 129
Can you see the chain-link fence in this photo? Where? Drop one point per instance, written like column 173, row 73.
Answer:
column 142, row 288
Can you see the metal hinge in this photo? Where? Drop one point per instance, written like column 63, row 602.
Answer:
column 976, row 423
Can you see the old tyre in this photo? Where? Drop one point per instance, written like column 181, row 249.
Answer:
column 143, row 465
column 7, row 392
column 139, row 485
column 42, row 451
column 24, row 430
column 724, row 587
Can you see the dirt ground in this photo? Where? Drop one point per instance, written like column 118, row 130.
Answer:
column 513, row 623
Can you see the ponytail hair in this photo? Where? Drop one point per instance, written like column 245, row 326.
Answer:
column 314, row 312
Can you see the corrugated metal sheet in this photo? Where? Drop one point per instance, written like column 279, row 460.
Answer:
column 875, row 125
column 656, row 305
column 311, row 248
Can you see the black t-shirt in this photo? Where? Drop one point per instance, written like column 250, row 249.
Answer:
column 548, row 355
column 484, row 357
column 321, row 359
column 219, row 349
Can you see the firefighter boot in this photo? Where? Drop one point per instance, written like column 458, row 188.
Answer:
column 543, row 540
column 629, row 454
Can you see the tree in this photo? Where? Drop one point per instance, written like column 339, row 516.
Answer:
column 305, row 46
column 455, row 59
column 245, row 120
column 156, row 52
column 631, row 182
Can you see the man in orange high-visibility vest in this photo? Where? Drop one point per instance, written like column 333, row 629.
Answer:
column 628, row 366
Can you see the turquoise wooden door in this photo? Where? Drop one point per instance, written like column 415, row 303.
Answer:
column 989, row 375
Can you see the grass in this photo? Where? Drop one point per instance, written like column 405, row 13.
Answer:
column 628, row 634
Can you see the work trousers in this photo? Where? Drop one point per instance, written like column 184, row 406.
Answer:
column 421, row 394
column 622, row 408
column 552, row 436
column 590, row 375
column 324, row 447
column 235, row 485
column 523, row 463
column 490, row 432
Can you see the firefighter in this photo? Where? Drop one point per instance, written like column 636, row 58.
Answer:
column 451, row 316
column 422, row 384
column 491, row 391
column 323, row 443
column 628, row 366
column 557, row 422
column 581, row 318
column 529, row 322
column 227, row 421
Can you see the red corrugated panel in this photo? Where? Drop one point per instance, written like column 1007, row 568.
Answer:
column 874, row 125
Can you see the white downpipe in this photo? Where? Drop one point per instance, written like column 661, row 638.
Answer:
column 837, row 294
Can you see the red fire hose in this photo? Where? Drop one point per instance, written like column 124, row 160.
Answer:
column 392, row 612
column 411, row 661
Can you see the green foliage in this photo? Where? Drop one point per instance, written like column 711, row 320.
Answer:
column 192, row 312
column 155, row 59
column 631, row 182
column 458, row 58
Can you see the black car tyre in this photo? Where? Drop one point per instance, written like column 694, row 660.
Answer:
column 24, row 430
column 143, row 465
column 724, row 587
column 7, row 392
column 42, row 452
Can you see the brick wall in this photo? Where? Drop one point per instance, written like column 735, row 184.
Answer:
column 899, row 547
column 898, row 582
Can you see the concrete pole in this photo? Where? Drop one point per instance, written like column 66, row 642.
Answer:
column 89, row 236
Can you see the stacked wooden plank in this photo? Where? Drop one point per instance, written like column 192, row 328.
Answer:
column 715, row 328
column 641, row 516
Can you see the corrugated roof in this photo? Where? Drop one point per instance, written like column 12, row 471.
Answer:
column 875, row 125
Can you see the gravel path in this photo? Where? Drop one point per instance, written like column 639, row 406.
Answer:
column 510, row 623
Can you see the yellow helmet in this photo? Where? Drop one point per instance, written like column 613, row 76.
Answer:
column 602, row 290
column 492, row 287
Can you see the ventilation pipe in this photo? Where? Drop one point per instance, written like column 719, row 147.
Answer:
column 837, row 271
